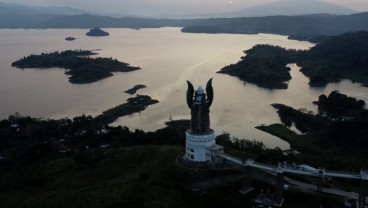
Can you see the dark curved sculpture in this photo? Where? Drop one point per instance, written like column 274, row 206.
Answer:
column 199, row 103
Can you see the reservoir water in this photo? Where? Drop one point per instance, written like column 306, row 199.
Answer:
column 168, row 58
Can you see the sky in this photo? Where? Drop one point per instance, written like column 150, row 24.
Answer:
column 149, row 7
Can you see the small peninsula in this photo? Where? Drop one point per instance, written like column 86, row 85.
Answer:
column 97, row 32
column 133, row 105
column 134, row 89
column 79, row 65
column 263, row 65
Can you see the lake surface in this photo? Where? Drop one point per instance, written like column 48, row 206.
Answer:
column 168, row 58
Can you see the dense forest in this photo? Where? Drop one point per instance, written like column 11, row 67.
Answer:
column 344, row 136
column 340, row 105
column 83, row 161
column 79, row 65
column 75, row 162
column 263, row 65
column 339, row 57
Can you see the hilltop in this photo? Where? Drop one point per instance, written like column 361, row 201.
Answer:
column 81, row 162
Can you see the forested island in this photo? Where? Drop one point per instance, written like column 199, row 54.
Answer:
column 263, row 65
column 82, row 68
column 97, row 32
column 336, row 58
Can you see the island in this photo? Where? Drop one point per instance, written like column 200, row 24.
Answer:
column 82, row 68
column 70, row 38
column 134, row 89
column 263, row 65
column 97, row 32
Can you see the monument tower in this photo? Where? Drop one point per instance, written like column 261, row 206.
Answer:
column 200, row 138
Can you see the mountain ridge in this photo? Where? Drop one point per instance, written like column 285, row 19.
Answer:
column 291, row 8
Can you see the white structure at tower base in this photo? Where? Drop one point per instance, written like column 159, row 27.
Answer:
column 201, row 148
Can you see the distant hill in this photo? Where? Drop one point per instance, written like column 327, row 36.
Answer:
column 22, row 10
column 290, row 8
column 301, row 27
column 313, row 25
column 21, row 16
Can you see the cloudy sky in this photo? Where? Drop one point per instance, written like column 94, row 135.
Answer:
column 170, row 6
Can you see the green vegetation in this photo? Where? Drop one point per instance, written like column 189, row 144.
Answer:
column 82, row 68
column 337, row 144
column 336, row 58
column 134, row 89
column 97, row 32
column 126, row 177
column 139, row 176
column 339, row 105
column 133, row 105
column 340, row 57
column 246, row 149
column 82, row 162
column 37, row 174
column 264, row 66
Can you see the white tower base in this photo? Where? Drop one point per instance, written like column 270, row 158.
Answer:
column 198, row 147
